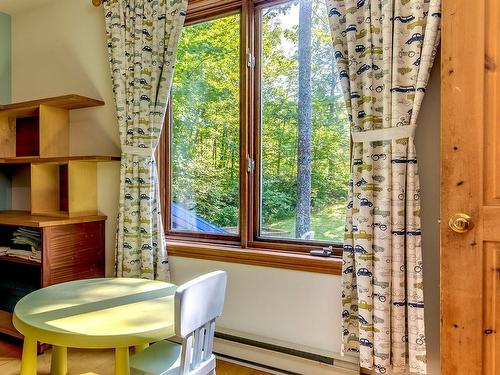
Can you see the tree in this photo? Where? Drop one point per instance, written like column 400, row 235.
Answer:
column 304, row 153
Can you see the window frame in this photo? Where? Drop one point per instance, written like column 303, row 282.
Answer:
column 201, row 11
column 248, row 246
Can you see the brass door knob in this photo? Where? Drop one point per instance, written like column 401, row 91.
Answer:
column 460, row 223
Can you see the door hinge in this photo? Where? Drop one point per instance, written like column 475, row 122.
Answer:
column 250, row 60
column 250, row 164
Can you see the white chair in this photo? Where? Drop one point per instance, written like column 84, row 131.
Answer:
column 197, row 304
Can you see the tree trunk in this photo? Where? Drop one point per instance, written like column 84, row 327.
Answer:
column 304, row 154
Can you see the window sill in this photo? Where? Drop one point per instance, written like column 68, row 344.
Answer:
column 256, row 257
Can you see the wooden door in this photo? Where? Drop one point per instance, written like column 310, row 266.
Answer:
column 470, row 184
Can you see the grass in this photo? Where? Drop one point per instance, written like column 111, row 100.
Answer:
column 327, row 224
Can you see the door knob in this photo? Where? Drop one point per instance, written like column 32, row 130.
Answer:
column 460, row 223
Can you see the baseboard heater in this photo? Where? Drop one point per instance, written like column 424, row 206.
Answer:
column 279, row 359
column 276, row 348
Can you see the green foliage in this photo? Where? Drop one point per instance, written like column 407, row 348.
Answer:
column 205, row 136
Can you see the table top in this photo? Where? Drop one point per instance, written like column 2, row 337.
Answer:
column 98, row 313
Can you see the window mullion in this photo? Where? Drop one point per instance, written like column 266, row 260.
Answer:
column 246, row 108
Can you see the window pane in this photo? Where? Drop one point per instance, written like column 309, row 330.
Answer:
column 305, row 137
column 205, row 131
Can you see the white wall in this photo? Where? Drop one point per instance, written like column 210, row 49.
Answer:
column 5, row 68
column 290, row 306
column 59, row 48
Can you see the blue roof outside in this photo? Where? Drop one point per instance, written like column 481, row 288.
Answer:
column 184, row 219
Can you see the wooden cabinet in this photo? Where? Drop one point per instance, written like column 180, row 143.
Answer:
column 72, row 249
column 51, row 193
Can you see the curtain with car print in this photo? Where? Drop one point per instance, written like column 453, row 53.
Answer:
column 384, row 50
column 142, row 42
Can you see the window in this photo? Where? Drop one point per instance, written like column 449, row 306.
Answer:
column 205, row 129
column 304, row 138
column 257, row 144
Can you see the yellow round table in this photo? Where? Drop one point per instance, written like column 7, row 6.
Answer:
column 94, row 313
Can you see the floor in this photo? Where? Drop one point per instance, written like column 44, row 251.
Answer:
column 89, row 362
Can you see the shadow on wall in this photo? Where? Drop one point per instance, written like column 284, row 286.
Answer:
column 428, row 151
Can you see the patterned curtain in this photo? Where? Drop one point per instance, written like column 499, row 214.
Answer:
column 384, row 50
column 142, row 41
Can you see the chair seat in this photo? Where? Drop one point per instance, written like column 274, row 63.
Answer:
column 163, row 357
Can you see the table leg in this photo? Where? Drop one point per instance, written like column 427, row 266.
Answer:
column 59, row 361
column 140, row 348
column 122, row 366
column 28, row 363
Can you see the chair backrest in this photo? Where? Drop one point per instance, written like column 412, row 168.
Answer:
column 197, row 304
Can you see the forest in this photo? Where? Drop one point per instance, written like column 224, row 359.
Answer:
column 304, row 127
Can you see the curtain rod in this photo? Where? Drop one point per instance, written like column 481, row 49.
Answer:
column 97, row 2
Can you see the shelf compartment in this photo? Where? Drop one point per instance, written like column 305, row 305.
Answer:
column 15, row 187
column 7, row 234
column 16, row 281
column 27, row 136
column 64, row 189
column 44, row 133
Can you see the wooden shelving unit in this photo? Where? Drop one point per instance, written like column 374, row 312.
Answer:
column 42, row 187
column 61, row 159
column 35, row 169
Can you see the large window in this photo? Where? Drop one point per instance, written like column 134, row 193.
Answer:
column 258, row 141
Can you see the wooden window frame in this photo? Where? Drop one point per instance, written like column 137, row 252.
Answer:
column 247, row 247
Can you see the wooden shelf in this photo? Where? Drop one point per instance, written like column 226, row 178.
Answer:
column 24, row 218
column 39, row 128
column 63, row 159
column 42, row 187
column 11, row 259
column 68, row 102
column 6, row 325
